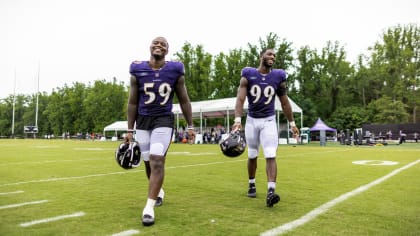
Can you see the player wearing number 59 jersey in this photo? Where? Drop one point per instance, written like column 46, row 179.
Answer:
column 153, row 85
column 261, row 86
column 156, row 87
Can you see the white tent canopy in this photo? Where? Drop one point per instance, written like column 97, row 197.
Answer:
column 224, row 107
column 116, row 126
column 206, row 109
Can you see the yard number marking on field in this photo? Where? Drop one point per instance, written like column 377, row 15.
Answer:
column 127, row 233
column 22, row 204
column 325, row 207
column 375, row 163
column 46, row 220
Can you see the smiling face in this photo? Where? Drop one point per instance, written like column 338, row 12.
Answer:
column 268, row 57
column 159, row 47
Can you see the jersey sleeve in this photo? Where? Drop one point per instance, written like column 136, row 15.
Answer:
column 245, row 72
column 180, row 68
column 133, row 67
column 282, row 89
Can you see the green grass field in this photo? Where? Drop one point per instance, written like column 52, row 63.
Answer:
column 205, row 192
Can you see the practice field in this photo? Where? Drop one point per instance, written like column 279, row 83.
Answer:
column 56, row 187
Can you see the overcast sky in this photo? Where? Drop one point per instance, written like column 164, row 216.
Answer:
column 87, row 40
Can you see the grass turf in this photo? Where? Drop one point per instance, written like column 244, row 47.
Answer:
column 205, row 191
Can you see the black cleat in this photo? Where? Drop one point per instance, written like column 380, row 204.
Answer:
column 148, row 220
column 159, row 202
column 252, row 191
column 272, row 198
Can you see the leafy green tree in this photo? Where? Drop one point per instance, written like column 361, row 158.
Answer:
column 334, row 70
column 6, row 116
column 197, row 71
column 349, row 117
column 21, row 104
column 388, row 111
column 307, row 84
column 395, row 65
column 105, row 103
column 54, row 111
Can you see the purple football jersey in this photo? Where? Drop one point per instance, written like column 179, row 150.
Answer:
column 156, row 87
column 262, row 91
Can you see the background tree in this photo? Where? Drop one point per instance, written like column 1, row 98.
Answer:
column 395, row 65
column 105, row 103
column 348, row 117
column 197, row 71
column 388, row 111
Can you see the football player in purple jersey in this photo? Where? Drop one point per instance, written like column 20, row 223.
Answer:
column 260, row 86
column 153, row 84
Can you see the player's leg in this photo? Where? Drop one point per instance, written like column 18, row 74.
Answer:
column 269, row 142
column 159, row 143
column 251, row 135
column 144, row 143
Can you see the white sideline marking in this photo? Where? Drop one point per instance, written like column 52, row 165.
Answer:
column 325, row 207
column 127, row 233
column 5, row 193
column 46, row 220
column 113, row 173
column 22, row 204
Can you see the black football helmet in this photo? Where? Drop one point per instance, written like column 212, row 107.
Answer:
column 234, row 144
column 128, row 155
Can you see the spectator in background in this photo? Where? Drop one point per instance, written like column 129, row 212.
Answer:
column 402, row 137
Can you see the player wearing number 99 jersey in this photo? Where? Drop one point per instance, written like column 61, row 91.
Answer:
column 261, row 86
column 262, row 90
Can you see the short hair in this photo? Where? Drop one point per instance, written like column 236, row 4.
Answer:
column 264, row 50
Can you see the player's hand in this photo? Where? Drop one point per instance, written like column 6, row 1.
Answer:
column 236, row 126
column 191, row 133
column 295, row 131
column 128, row 137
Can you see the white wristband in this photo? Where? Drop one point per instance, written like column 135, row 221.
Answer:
column 292, row 124
column 237, row 120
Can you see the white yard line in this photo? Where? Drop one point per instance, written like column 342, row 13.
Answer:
column 113, row 173
column 230, row 160
column 68, row 178
column 51, row 161
column 6, row 193
column 22, row 204
column 46, row 220
column 127, row 233
column 325, row 207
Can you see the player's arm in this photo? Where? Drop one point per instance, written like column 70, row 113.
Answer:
column 184, row 100
column 288, row 112
column 240, row 100
column 287, row 108
column 132, row 107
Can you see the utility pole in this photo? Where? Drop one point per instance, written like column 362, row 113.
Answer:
column 13, row 110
